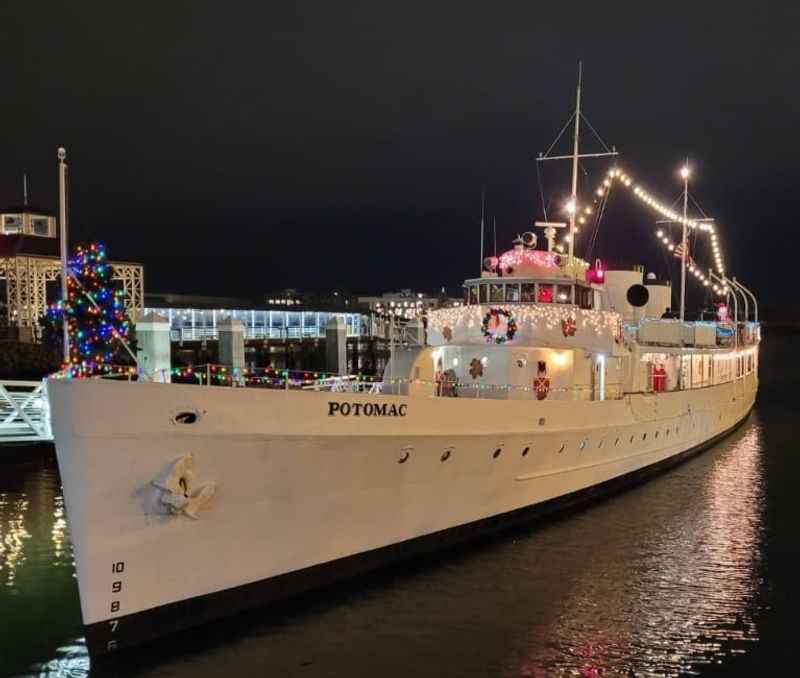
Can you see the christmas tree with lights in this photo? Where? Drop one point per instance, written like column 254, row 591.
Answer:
column 94, row 311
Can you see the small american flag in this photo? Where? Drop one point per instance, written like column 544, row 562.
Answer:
column 678, row 253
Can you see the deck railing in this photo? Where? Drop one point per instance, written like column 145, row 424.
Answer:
column 24, row 412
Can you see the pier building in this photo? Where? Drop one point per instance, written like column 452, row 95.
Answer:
column 30, row 270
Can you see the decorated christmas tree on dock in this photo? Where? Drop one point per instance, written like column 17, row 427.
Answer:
column 94, row 312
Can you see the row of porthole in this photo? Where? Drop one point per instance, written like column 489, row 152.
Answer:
column 406, row 454
column 582, row 445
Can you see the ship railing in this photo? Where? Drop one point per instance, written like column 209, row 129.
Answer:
column 309, row 380
column 464, row 389
column 24, row 412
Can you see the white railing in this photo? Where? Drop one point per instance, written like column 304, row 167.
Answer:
column 24, row 412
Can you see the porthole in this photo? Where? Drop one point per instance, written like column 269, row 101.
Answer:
column 582, row 445
column 562, row 448
column 656, row 435
column 497, row 453
column 616, row 442
column 541, row 421
column 525, row 451
column 445, row 455
column 188, row 417
column 644, row 436
column 632, row 440
column 404, row 455
column 600, row 444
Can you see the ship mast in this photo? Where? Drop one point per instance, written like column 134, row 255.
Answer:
column 575, row 156
column 572, row 207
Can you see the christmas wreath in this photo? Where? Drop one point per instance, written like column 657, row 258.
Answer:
column 491, row 324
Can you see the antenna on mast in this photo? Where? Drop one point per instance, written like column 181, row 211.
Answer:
column 483, row 205
column 572, row 207
column 25, row 189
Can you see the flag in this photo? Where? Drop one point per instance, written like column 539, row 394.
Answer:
column 678, row 254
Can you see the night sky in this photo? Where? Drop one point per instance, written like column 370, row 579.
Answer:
column 236, row 148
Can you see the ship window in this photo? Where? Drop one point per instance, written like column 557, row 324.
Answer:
column 583, row 444
column 545, row 294
column 445, row 455
column 466, row 296
column 563, row 294
column 600, row 444
column 541, row 421
column 616, row 442
column 528, row 292
column 473, row 294
column 404, row 455
column 644, row 436
column 525, row 451
column 631, row 440
column 562, row 448
column 497, row 453
column 583, row 297
column 512, row 292
column 656, row 434
column 495, row 292
column 483, row 293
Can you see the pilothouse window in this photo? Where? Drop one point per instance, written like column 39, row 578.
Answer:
column 484, row 289
column 528, row 292
column 545, row 294
column 563, row 294
column 495, row 292
column 512, row 292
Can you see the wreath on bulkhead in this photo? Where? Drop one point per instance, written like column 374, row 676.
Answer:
column 568, row 327
column 491, row 326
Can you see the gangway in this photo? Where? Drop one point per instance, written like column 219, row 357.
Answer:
column 24, row 412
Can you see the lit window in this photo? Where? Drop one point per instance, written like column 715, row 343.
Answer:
column 12, row 223
column 41, row 226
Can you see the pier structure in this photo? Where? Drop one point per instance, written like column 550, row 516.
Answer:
column 30, row 270
column 289, row 329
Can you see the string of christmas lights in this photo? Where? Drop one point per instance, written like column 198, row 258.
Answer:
column 528, row 317
column 647, row 198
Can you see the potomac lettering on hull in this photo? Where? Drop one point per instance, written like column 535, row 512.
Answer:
column 367, row 409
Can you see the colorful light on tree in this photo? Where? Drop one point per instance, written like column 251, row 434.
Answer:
column 94, row 311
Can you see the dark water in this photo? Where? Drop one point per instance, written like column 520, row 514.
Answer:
column 692, row 573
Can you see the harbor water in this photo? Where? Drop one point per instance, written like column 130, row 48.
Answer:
column 690, row 573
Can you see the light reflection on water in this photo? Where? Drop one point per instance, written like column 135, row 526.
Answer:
column 682, row 594
column 661, row 580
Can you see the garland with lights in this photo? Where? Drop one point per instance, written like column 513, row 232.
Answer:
column 529, row 317
column 494, row 316
column 94, row 312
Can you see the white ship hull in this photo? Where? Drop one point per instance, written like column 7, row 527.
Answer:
column 306, row 493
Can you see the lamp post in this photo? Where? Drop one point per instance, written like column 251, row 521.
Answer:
column 685, row 176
